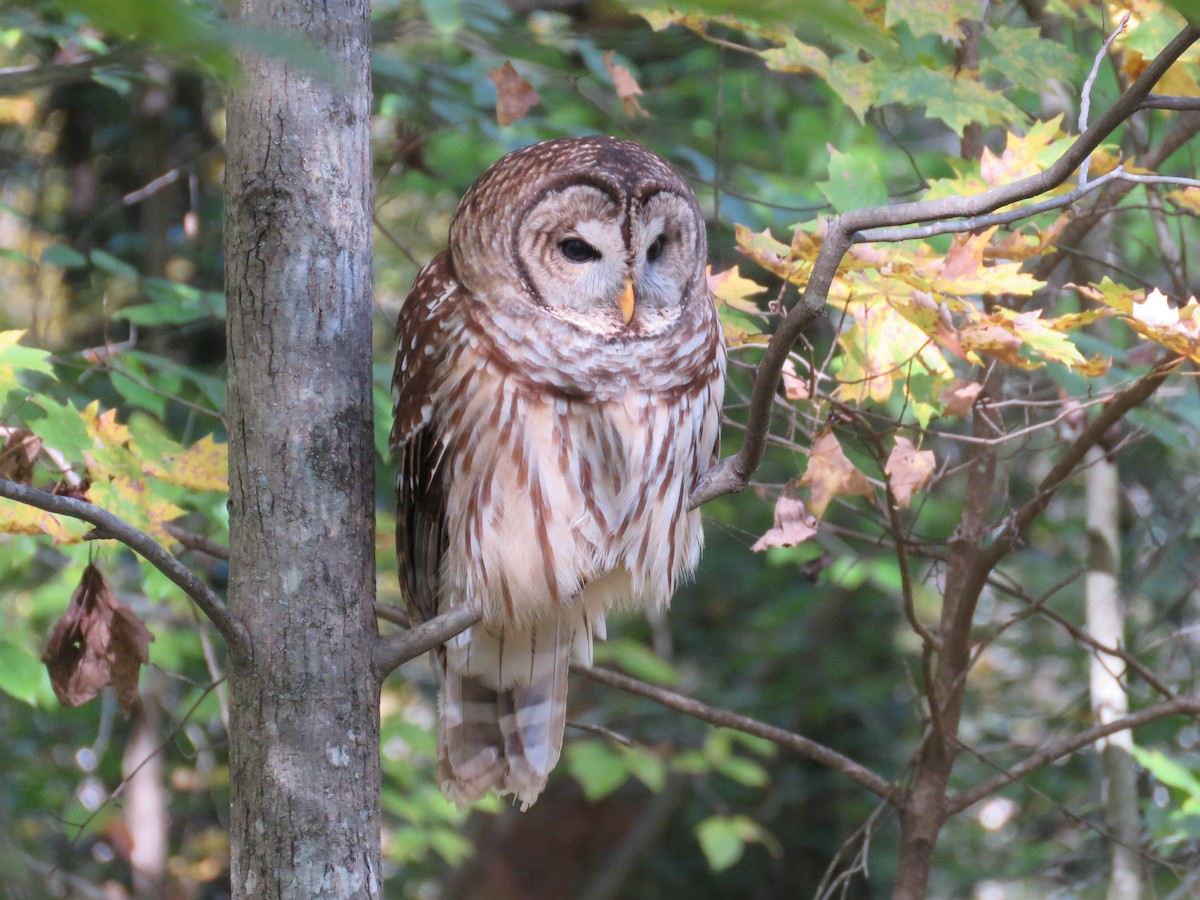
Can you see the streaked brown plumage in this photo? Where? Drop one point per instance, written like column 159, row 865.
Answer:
column 549, row 427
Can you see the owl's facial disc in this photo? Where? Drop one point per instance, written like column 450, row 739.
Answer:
column 602, row 267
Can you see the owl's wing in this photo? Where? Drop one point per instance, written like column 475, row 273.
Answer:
column 416, row 444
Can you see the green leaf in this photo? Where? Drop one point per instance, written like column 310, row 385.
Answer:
column 955, row 98
column 646, row 767
column 1167, row 770
column 636, row 659
column 63, row 256
column 1025, row 58
column 721, row 841
column 112, row 265
column 854, row 181
column 743, row 771
column 598, row 769
column 22, row 675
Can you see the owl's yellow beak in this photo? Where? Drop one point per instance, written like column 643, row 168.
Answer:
column 627, row 300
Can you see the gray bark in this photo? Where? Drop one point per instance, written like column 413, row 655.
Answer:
column 304, row 715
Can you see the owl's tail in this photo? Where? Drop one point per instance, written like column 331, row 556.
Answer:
column 504, row 709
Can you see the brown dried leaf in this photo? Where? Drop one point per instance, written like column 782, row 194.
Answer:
column 959, row 397
column 627, row 87
column 514, row 95
column 793, row 525
column 794, row 387
column 18, row 452
column 97, row 642
column 908, row 469
column 830, row 473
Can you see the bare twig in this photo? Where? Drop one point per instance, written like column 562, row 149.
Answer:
column 141, row 543
column 1182, row 706
column 1085, row 103
column 724, row 718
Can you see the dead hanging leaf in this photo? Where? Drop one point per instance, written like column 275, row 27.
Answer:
column 908, row 469
column 793, row 525
column 627, row 87
column 514, row 95
column 830, row 473
column 959, row 397
column 18, row 452
column 97, row 642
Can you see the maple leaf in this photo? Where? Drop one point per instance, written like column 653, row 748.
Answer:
column 795, row 56
column 202, row 467
column 729, row 288
column 793, row 525
column 97, row 642
column 514, row 95
column 130, row 499
column 1176, row 328
column 1022, row 156
column 908, row 470
column 627, row 87
column 830, row 473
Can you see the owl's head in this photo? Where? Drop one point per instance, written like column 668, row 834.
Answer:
column 599, row 232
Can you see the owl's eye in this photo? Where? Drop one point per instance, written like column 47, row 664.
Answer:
column 577, row 250
column 654, row 251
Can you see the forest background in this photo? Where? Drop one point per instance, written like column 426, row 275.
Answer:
column 1013, row 404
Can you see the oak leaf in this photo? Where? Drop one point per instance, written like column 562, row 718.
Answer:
column 908, row 470
column 514, row 95
column 830, row 473
column 97, row 642
column 627, row 87
column 793, row 525
column 959, row 397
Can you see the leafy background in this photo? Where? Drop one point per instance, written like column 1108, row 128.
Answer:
column 779, row 113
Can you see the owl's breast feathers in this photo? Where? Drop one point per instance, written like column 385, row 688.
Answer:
column 554, row 469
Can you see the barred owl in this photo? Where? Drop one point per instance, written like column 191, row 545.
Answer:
column 558, row 388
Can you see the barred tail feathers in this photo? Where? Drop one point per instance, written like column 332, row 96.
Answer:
column 504, row 708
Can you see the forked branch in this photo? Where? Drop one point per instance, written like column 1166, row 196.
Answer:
column 733, row 472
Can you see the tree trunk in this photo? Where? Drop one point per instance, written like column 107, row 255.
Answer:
column 1105, row 623
column 304, row 722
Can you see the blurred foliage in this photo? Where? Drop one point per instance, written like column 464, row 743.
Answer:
column 111, row 128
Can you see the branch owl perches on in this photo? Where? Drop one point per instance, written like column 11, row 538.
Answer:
column 558, row 382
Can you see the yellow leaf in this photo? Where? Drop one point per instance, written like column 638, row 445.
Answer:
column 202, row 467
column 130, row 499
column 729, row 288
column 830, row 473
column 17, row 518
column 109, row 453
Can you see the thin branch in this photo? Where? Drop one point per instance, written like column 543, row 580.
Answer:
column 395, row 650
column 1179, row 104
column 1085, row 103
column 724, row 718
column 141, row 543
column 1188, row 706
column 1110, row 414
column 197, row 542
